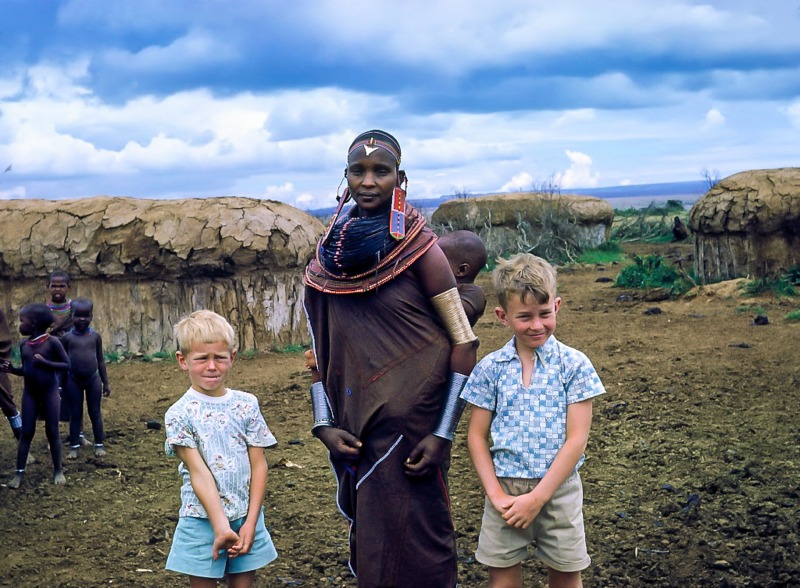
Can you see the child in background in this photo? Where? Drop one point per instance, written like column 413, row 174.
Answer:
column 6, row 397
column 466, row 254
column 219, row 435
column 87, row 375
column 43, row 358
column 61, row 305
column 534, row 397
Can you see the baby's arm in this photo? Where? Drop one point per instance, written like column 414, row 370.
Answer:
column 258, row 487
column 205, row 487
column 527, row 506
column 478, row 442
column 101, row 365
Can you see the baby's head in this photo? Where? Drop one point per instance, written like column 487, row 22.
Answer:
column 82, row 310
column 35, row 319
column 466, row 253
column 203, row 327
column 527, row 276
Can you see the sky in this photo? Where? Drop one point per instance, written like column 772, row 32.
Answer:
column 181, row 99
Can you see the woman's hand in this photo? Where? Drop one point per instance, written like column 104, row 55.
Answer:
column 343, row 445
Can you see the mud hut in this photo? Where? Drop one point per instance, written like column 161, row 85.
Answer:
column 512, row 222
column 146, row 263
column 748, row 225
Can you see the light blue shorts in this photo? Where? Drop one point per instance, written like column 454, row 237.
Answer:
column 191, row 549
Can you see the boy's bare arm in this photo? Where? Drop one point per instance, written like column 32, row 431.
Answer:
column 258, row 488
column 526, row 507
column 478, row 442
column 205, row 487
column 101, row 366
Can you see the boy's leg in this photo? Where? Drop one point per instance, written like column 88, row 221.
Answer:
column 25, row 438
column 198, row 582
column 242, row 580
column 51, row 408
column 94, row 397
column 72, row 395
column 564, row 579
column 506, row 577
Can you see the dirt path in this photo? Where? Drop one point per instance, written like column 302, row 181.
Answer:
column 691, row 477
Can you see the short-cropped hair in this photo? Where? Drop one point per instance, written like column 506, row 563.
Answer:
column 58, row 274
column 203, row 326
column 525, row 275
column 41, row 314
column 84, row 303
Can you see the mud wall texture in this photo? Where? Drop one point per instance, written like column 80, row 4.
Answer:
column 748, row 225
column 499, row 219
column 147, row 263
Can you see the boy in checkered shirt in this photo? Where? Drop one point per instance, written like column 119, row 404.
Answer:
column 533, row 396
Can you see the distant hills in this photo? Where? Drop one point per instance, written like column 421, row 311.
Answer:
column 634, row 196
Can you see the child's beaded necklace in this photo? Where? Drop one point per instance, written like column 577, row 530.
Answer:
column 38, row 340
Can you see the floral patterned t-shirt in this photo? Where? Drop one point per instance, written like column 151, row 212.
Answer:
column 221, row 428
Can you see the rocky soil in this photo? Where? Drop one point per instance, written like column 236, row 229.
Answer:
column 692, row 475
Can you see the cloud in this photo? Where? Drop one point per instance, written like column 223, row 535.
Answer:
column 793, row 113
column 579, row 174
column 520, row 182
column 714, row 118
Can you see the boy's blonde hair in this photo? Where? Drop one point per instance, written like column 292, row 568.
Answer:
column 525, row 275
column 203, row 326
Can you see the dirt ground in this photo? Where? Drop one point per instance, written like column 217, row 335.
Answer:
column 692, row 475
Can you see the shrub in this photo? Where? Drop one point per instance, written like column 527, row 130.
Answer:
column 652, row 223
column 779, row 286
column 608, row 252
column 793, row 315
column 652, row 271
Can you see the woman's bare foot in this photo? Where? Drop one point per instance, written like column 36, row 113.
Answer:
column 99, row 451
column 16, row 481
column 72, row 453
column 58, row 477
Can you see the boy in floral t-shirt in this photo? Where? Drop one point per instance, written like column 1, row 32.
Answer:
column 219, row 435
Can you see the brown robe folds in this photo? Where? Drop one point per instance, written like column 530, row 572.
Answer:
column 384, row 358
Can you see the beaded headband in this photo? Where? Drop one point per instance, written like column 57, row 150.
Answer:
column 371, row 144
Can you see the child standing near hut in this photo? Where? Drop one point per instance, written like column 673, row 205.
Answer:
column 43, row 359
column 219, row 435
column 466, row 254
column 87, row 376
column 533, row 396
column 59, row 303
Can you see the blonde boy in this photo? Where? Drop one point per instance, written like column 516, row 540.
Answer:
column 219, row 435
column 533, row 396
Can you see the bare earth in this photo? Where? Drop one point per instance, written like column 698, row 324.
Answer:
column 692, row 475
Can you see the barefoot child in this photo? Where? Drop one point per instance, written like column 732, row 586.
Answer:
column 43, row 358
column 534, row 397
column 219, row 435
column 87, row 375
column 466, row 254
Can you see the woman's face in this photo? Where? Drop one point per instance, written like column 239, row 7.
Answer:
column 371, row 179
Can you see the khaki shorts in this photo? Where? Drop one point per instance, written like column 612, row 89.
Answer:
column 557, row 532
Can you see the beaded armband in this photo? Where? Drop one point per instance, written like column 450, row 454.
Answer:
column 453, row 407
column 451, row 310
column 323, row 416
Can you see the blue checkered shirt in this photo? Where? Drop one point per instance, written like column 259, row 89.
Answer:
column 529, row 425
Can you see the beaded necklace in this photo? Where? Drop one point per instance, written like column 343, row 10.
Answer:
column 60, row 309
column 38, row 340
